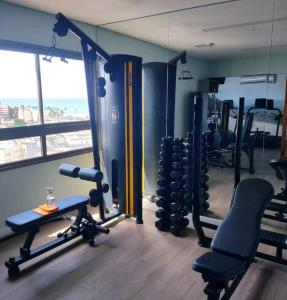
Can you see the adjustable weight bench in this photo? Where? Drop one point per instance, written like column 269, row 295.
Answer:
column 84, row 224
column 236, row 240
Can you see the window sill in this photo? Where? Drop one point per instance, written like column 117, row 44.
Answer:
column 43, row 159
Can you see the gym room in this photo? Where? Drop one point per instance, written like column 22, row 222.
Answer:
column 142, row 149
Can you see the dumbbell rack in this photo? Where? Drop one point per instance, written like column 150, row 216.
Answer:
column 178, row 205
column 163, row 200
column 175, row 183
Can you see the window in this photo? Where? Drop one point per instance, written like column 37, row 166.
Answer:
column 63, row 142
column 64, row 91
column 18, row 105
column 19, row 149
column 43, row 107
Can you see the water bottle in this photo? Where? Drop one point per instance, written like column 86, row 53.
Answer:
column 50, row 198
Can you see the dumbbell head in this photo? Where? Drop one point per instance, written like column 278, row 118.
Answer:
column 161, row 191
column 177, row 216
column 187, row 188
column 176, row 165
column 161, row 182
column 205, row 196
column 163, row 202
column 175, row 174
column 184, row 222
column 176, row 229
column 176, row 206
column 175, row 196
column 162, row 224
column 204, row 187
column 162, row 172
column 161, row 213
column 175, row 185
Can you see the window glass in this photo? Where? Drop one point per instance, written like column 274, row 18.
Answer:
column 64, row 90
column 20, row 149
column 18, row 89
column 62, row 142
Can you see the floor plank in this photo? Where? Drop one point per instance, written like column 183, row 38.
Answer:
column 137, row 261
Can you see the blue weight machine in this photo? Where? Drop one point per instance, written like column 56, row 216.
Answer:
column 115, row 108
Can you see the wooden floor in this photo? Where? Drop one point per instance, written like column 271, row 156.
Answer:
column 135, row 262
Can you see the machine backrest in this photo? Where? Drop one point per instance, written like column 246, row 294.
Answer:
column 247, row 127
column 239, row 233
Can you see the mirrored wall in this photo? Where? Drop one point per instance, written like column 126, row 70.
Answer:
column 233, row 49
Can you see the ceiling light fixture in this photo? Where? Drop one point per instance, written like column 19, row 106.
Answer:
column 240, row 25
column 205, row 45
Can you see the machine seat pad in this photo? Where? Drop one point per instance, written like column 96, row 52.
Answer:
column 239, row 233
column 278, row 163
column 26, row 220
column 218, row 267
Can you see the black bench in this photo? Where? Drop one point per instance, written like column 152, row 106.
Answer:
column 236, row 239
column 84, row 224
column 24, row 221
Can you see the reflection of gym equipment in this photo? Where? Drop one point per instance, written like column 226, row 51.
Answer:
column 159, row 83
column 265, row 139
column 235, row 243
column 117, row 129
column 280, row 167
column 225, row 157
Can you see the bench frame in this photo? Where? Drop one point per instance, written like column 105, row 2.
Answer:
column 214, row 288
column 84, row 226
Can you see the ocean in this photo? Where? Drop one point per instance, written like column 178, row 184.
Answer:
column 70, row 106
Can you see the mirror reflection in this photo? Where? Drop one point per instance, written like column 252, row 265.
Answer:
column 224, row 55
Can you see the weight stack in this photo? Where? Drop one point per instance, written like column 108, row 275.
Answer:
column 163, row 199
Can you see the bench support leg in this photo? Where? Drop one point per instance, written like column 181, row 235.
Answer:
column 214, row 288
column 84, row 226
column 25, row 250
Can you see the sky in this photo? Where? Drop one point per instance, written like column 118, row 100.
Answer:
column 59, row 80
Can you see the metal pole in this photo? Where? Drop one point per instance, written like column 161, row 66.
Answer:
column 89, row 71
column 197, row 150
column 238, row 146
column 64, row 24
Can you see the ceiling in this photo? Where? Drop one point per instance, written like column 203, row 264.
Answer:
column 237, row 27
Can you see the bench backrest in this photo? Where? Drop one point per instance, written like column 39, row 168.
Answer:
column 239, row 233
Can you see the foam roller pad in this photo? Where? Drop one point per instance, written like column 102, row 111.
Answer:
column 90, row 174
column 69, row 170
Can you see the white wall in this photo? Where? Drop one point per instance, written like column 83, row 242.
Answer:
column 251, row 65
column 22, row 188
column 233, row 90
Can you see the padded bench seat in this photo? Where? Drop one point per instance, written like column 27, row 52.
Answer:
column 218, row 267
column 25, row 220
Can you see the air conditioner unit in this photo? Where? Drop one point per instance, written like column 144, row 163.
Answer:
column 265, row 78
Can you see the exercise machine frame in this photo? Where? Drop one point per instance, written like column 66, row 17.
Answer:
column 274, row 239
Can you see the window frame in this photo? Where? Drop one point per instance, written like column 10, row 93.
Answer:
column 41, row 130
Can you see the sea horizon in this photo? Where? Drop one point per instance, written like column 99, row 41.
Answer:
column 71, row 106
